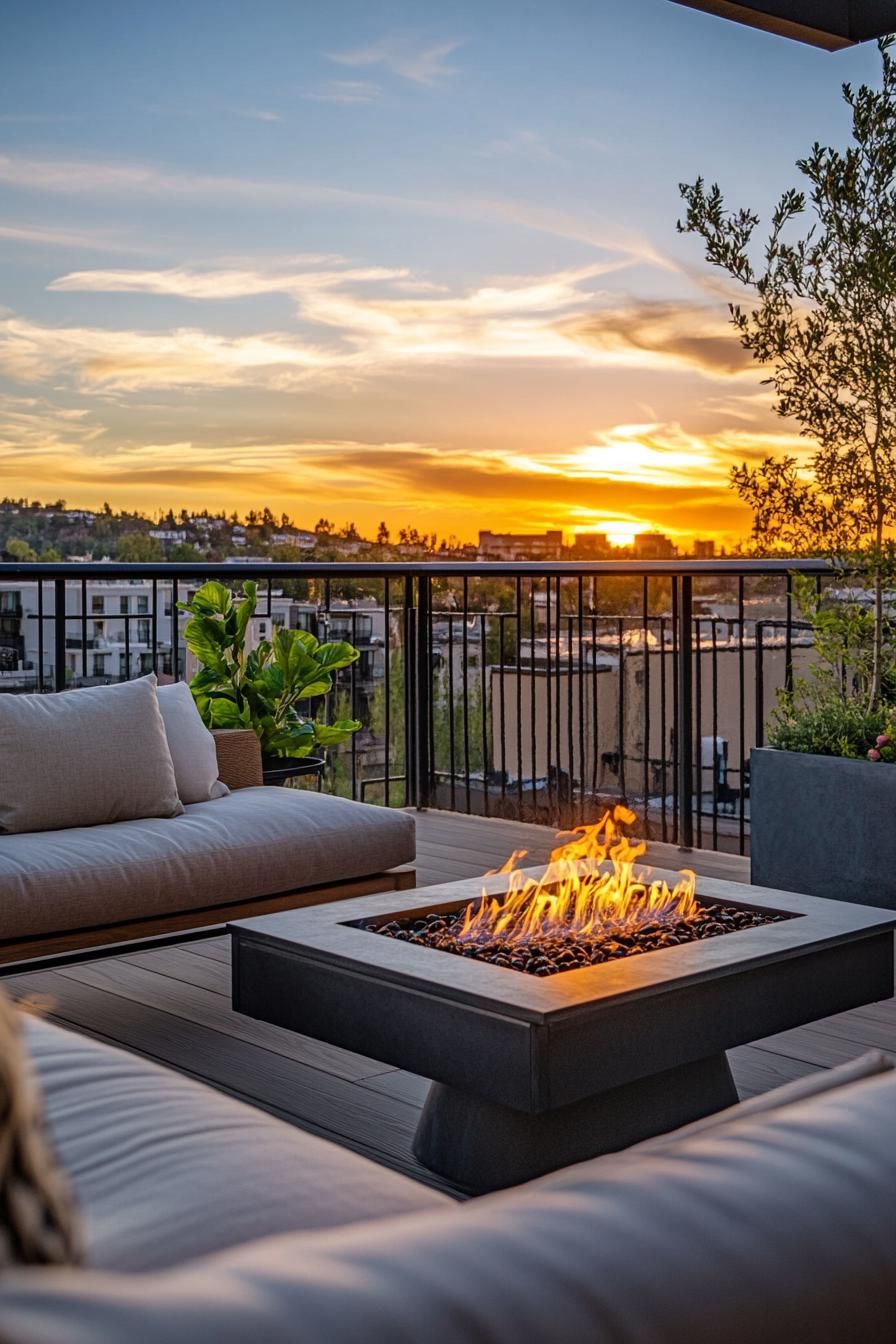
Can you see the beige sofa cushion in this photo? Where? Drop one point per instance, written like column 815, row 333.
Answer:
column 165, row 1169
column 778, row 1227
column 191, row 745
column 254, row 842
column 85, row 757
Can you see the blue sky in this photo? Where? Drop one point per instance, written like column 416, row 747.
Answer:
column 417, row 261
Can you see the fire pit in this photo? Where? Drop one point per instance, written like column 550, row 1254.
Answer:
column 577, row 913
column 557, row 1026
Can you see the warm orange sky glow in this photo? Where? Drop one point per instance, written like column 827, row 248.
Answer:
column 366, row 272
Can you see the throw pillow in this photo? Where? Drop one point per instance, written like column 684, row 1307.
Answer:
column 191, row 745
column 81, row 758
column 38, row 1223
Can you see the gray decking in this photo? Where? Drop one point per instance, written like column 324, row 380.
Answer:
column 172, row 1004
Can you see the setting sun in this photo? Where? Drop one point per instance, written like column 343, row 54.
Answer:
column 620, row 534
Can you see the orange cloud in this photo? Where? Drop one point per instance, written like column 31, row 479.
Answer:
column 440, row 488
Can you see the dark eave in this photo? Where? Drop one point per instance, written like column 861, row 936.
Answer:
column 831, row 24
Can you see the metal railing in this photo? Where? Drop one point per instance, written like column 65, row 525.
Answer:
column 532, row 690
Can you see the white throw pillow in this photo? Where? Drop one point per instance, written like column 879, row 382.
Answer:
column 191, row 745
column 84, row 757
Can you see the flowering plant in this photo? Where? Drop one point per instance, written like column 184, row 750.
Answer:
column 884, row 748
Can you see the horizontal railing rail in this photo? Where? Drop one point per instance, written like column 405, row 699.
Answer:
column 346, row 569
column 540, row 690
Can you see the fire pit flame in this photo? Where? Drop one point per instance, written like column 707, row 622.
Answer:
column 578, row 900
column 591, row 905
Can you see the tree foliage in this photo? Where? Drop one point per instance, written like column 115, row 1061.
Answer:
column 822, row 322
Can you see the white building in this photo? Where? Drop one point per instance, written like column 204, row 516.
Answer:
column 168, row 533
column 303, row 541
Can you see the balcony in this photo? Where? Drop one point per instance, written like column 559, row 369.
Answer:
column 512, row 699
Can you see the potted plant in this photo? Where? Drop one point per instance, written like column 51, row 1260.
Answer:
column 820, row 323
column 823, row 793
column 269, row 688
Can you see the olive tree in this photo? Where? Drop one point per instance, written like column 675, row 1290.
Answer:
column 822, row 321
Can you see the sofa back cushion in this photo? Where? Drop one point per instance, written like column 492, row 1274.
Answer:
column 778, row 1227
column 80, row 758
column 191, row 745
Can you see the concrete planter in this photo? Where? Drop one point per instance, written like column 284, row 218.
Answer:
column 824, row 826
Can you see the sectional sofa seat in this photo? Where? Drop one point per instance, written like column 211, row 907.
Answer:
column 209, row 1223
column 251, row 843
column 122, row 816
column 166, row 1169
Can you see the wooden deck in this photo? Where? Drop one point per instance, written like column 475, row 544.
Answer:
column 172, row 1004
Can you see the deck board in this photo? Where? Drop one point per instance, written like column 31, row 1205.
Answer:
column 172, row 1004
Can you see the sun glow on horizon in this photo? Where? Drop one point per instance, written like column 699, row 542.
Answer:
column 621, row 533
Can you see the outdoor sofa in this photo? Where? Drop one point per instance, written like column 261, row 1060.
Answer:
column 115, row 824
column 208, row 1222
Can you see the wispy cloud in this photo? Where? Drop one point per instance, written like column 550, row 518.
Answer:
column 185, row 357
column 183, row 283
column 345, row 91
column 32, row 427
column 653, row 333
column 515, row 317
column 520, row 144
column 42, row 235
column 259, row 114
column 127, row 180
column 361, row 322
column 412, row 58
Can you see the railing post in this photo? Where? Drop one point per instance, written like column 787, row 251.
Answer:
column 685, row 725
column 759, row 664
column 409, row 650
column 175, row 630
column 423, row 765
column 59, row 634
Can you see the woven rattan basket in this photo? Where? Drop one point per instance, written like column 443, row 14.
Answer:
column 239, row 757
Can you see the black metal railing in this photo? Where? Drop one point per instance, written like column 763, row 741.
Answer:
column 532, row 690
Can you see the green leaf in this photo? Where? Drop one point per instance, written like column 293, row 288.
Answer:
column 309, row 642
column 297, row 739
column 331, row 734
column 336, row 654
column 246, row 610
column 225, row 714
column 206, row 649
column 270, row 680
column 212, row 599
column 314, row 688
column 298, row 666
column 205, row 680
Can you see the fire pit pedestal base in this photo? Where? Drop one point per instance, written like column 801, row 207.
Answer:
column 535, row 1072
column 480, row 1145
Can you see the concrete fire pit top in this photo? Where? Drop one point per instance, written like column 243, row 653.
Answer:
column 334, row 934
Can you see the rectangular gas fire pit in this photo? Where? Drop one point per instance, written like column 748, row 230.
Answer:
column 533, row 1071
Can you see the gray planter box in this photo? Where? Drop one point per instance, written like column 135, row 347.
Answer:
column 824, row 826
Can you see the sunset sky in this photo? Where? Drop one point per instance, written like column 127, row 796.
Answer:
column 388, row 260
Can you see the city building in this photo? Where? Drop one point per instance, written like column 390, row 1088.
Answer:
column 592, row 545
column 303, row 541
column 653, row 546
column 704, row 548
column 521, row 545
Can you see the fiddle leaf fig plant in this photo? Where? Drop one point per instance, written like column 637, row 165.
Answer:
column 267, row 688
